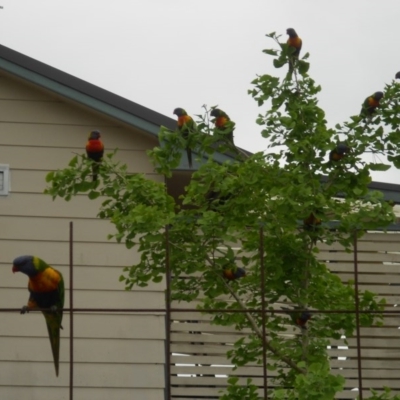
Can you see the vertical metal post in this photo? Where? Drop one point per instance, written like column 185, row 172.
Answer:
column 357, row 304
column 263, row 320
column 71, row 313
column 167, row 318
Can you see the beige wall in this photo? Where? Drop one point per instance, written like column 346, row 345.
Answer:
column 119, row 356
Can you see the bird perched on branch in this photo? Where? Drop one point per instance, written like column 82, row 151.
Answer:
column 46, row 288
column 370, row 104
column 311, row 222
column 397, row 76
column 185, row 126
column 339, row 152
column 294, row 42
column 232, row 274
column 299, row 318
column 223, row 123
column 95, row 151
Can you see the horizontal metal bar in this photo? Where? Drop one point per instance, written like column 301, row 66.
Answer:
column 211, row 310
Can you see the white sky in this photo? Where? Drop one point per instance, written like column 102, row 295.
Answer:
column 164, row 54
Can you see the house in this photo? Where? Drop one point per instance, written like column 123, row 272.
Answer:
column 45, row 117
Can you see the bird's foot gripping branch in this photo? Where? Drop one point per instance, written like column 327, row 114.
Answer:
column 217, row 254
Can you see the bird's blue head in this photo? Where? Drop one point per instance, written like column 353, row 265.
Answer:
column 25, row 265
column 179, row 112
column 291, row 32
column 94, row 135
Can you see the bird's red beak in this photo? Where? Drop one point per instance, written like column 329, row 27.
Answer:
column 15, row 269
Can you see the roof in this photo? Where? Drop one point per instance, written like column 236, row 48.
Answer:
column 90, row 95
column 82, row 92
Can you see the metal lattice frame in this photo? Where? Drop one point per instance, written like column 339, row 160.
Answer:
column 169, row 311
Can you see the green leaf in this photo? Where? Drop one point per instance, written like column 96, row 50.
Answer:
column 50, row 176
column 93, row 195
column 358, row 191
column 303, row 67
column 379, row 167
column 73, row 162
column 279, row 63
column 270, row 52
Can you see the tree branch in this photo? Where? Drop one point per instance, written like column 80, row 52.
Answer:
column 257, row 330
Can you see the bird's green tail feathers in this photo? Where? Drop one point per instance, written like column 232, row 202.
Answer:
column 53, row 322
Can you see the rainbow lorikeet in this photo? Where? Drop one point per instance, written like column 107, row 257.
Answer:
column 185, row 126
column 46, row 288
column 299, row 318
column 295, row 42
column 397, row 76
column 232, row 274
column 339, row 152
column 223, row 123
column 370, row 104
column 95, row 151
column 311, row 222
column 215, row 199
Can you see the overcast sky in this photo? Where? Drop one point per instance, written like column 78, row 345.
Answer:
column 164, row 54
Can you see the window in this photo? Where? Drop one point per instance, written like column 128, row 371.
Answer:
column 4, row 179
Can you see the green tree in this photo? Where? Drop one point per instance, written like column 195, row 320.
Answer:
column 273, row 207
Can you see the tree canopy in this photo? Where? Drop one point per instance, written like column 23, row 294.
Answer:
column 263, row 214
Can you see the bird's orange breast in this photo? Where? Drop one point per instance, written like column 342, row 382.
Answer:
column 45, row 281
column 301, row 322
column 295, row 42
column 373, row 102
column 336, row 156
column 312, row 220
column 184, row 119
column 220, row 122
column 228, row 274
column 94, row 145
